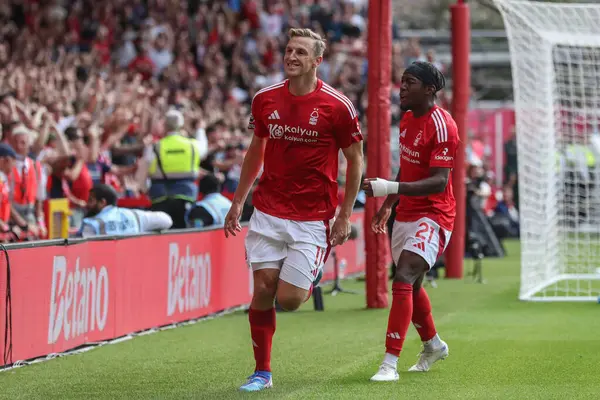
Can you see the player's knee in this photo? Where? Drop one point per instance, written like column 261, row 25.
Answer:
column 405, row 274
column 265, row 284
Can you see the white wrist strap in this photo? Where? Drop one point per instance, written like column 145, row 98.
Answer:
column 382, row 187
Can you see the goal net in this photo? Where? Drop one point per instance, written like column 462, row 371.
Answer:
column 555, row 57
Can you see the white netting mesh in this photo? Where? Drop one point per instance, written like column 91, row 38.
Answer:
column 555, row 55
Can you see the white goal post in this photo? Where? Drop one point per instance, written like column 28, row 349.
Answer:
column 555, row 58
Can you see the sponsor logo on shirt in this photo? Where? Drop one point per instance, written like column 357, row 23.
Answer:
column 410, row 155
column 444, row 156
column 403, row 133
column 292, row 133
column 275, row 131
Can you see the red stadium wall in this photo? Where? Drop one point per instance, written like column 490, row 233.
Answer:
column 65, row 296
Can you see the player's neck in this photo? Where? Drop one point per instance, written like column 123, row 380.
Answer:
column 303, row 84
column 418, row 112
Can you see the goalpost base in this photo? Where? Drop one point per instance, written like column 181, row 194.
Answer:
column 537, row 292
column 570, row 299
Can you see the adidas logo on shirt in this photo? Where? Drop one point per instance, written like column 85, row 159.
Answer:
column 274, row 115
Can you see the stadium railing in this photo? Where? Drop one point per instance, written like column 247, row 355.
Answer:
column 57, row 295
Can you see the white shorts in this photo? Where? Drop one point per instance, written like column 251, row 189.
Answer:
column 298, row 248
column 423, row 237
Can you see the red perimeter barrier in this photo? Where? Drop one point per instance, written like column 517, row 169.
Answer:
column 65, row 296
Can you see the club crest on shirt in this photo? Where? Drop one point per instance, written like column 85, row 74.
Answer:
column 418, row 138
column 314, row 117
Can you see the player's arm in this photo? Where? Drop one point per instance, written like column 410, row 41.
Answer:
column 354, row 157
column 435, row 183
column 250, row 168
column 255, row 155
column 441, row 162
column 349, row 138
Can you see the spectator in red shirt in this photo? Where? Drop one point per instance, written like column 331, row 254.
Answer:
column 142, row 63
column 77, row 177
column 102, row 45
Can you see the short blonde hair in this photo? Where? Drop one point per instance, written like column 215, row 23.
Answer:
column 320, row 45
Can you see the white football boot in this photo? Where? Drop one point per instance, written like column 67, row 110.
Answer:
column 428, row 357
column 386, row 373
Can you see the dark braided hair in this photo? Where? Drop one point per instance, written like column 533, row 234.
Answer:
column 427, row 73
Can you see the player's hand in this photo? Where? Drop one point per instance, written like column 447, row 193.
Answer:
column 366, row 186
column 379, row 222
column 232, row 220
column 340, row 232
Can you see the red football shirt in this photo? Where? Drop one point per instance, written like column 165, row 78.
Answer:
column 305, row 134
column 427, row 142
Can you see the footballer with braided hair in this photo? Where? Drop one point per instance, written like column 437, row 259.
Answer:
column 424, row 215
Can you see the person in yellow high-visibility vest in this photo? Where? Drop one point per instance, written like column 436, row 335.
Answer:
column 173, row 166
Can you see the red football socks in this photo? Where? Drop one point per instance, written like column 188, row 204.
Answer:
column 400, row 317
column 421, row 317
column 262, row 329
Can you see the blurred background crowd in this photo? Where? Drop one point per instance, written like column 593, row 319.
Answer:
column 85, row 85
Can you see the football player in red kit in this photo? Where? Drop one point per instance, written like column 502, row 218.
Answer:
column 424, row 216
column 299, row 127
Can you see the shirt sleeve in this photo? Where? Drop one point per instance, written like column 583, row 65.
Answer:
column 87, row 230
column 347, row 129
column 153, row 220
column 445, row 141
column 256, row 123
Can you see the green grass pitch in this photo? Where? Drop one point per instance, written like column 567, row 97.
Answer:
column 500, row 348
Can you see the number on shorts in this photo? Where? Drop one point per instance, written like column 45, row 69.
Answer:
column 424, row 227
column 320, row 256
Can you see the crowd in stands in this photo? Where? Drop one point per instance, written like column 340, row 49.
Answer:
column 498, row 204
column 85, row 85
